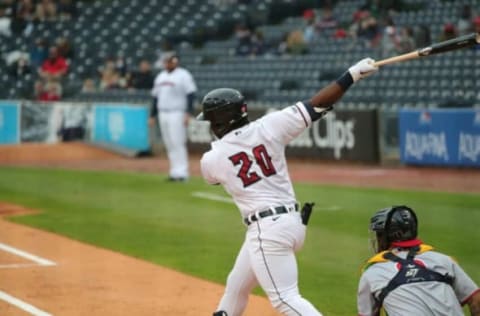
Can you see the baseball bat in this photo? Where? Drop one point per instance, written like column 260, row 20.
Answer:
column 437, row 48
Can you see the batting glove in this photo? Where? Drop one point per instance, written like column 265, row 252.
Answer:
column 362, row 69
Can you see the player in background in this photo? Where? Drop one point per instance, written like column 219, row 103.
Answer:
column 174, row 93
column 248, row 159
column 407, row 277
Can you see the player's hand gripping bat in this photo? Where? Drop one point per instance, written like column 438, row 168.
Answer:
column 442, row 47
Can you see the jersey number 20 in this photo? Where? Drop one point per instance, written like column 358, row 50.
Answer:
column 263, row 160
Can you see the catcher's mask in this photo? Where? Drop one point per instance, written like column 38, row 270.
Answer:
column 396, row 223
column 225, row 109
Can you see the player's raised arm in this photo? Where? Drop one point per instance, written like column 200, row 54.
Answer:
column 330, row 94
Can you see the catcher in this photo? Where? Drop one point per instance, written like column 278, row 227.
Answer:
column 407, row 277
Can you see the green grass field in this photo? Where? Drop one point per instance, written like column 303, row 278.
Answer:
column 166, row 223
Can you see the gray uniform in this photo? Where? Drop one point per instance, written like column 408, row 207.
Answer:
column 422, row 298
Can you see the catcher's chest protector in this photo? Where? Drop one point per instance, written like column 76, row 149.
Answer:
column 411, row 271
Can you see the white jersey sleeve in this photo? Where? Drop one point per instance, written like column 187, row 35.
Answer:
column 463, row 285
column 286, row 124
column 207, row 165
column 365, row 300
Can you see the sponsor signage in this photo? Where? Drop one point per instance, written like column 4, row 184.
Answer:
column 340, row 135
column 440, row 137
column 9, row 123
column 123, row 126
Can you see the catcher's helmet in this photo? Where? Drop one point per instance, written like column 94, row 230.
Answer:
column 396, row 223
column 226, row 110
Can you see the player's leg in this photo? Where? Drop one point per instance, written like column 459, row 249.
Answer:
column 178, row 149
column 174, row 137
column 271, row 247
column 240, row 283
column 164, row 123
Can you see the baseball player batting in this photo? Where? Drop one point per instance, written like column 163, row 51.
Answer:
column 248, row 159
column 407, row 277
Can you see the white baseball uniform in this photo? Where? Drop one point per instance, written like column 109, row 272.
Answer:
column 250, row 164
column 421, row 298
column 171, row 90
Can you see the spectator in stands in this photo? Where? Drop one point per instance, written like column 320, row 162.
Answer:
column 449, row 31
column 327, row 21
column 65, row 48
column 244, row 40
column 54, row 67
column 38, row 53
column 89, row 85
column 67, row 9
column 465, row 20
column 142, row 78
column 369, row 30
column 390, row 43
column 50, row 91
column 20, row 68
column 24, row 17
column 422, row 36
column 296, row 45
column 46, row 10
column 258, row 46
column 309, row 32
column 406, row 41
column 109, row 76
column 364, row 29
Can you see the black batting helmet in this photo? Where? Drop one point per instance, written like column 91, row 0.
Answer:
column 226, row 110
column 396, row 223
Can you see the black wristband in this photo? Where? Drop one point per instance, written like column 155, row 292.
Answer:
column 345, row 81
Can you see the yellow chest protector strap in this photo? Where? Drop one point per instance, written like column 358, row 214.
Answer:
column 379, row 257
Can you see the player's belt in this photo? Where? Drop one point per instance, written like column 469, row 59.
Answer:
column 269, row 212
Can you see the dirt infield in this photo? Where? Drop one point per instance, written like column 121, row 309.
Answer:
column 60, row 276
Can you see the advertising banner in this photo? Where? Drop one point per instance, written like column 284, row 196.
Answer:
column 448, row 137
column 340, row 135
column 9, row 123
column 123, row 126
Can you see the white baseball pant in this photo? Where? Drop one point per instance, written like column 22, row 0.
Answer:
column 174, row 136
column 267, row 257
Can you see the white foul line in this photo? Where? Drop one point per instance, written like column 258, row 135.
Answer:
column 212, row 196
column 22, row 305
column 26, row 255
column 221, row 198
